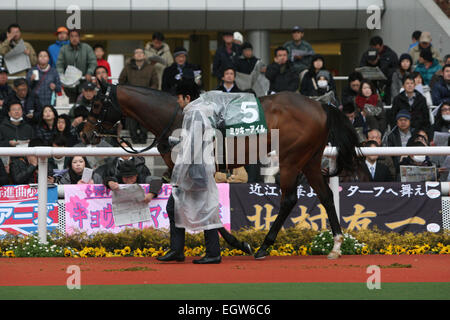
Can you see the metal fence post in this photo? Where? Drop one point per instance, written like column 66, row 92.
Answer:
column 42, row 198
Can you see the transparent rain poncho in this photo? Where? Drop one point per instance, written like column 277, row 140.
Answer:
column 194, row 188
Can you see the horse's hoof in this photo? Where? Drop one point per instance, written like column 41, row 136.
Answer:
column 334, row 255
column 247, row 248
column 261, row 253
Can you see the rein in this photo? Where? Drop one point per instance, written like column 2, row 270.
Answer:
column 102, row 117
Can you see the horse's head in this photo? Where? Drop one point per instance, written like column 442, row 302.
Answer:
column 98, row 119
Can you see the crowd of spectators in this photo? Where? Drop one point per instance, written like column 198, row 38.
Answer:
column 415, row 82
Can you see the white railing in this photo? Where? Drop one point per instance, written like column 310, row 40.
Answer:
column 43, row 153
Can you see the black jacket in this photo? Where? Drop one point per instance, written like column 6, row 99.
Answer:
column 222, row 59
column 420, row 115
column 234, row 89
column 245, row 65
column 171, row 76
column 110, row 170
column 388, row 62
column 9, row 131
column 31, row 102
column 282, row 78
column 382, row 173
column 21, row 172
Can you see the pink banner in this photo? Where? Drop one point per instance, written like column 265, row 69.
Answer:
column 89, row 209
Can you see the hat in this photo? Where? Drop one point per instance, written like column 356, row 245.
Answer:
column 425, row 37
column 323, row 73
column 246, row 45
column 297, row 28
column 403, row 114
column 3, row 70
column 405, row 56
column 89, row 86
column 238, row 36
column 426, row 55
column 179, row 50
column 61, row 29
column 127, row 169
column 227, row 33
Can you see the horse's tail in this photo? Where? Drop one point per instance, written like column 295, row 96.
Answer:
column 343, row 136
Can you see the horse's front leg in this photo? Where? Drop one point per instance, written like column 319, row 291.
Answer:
column 288, row 201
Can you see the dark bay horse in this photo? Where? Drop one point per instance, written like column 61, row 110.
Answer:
column 305, row 128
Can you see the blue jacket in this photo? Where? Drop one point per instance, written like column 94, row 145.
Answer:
column 427, row 74
column 54, row 51
column 440, row 92
column 41, row 87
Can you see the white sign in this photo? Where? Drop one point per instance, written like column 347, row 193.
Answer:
column 128, row 205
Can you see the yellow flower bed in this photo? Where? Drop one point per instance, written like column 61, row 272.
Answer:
column 290, row 242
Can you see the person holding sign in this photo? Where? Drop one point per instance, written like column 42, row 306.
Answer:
column 129, row 175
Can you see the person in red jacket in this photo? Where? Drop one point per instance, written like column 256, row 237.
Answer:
column 99, row 51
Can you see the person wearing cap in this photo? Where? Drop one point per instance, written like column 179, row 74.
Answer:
column 441, row 89
column 404, row 68
column 13, row 37
column 411, row 100
column 424, row 43
column 401, row 133
column 128, row 174
column 159, row 49
column 79, row 111
column 47, row 84
column 62, row 38
column 181, row 69
column 79, row 55
column 382, row 56
column 138, row 72
column 5, row 88
column 238, row 38
column 300, row 51
column 427, row 66
column 225, row 55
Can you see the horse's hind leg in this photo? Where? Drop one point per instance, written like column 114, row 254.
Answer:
column 288, row 200
column 318, row 182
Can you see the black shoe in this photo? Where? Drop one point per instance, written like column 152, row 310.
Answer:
column 262, row 252
column 246, row 248
column 207, row 260
column 171, row 256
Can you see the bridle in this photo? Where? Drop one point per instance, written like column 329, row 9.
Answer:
column 100, row 118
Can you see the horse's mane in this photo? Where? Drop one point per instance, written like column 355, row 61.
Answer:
column 148, row 91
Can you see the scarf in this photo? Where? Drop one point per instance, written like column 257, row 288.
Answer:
column 362, row 101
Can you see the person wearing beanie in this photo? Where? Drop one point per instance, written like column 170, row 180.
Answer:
column 246, row 62
column 404, row 68
column 309, row 83
column 427, row 65
column 238, row 38
column 180, row 70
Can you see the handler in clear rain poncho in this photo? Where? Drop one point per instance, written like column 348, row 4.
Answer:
column 194, row 203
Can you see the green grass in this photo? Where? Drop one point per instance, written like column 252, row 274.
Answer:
column 237, row 291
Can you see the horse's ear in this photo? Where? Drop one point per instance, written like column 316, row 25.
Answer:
column 103, row 85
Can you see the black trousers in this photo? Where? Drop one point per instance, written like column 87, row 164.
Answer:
column 177, row 235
